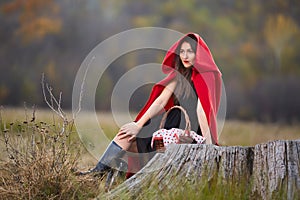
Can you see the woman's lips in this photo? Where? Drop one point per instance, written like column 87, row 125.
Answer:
column 186, row 62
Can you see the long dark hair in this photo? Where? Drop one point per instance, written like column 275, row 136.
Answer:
column 183, row 78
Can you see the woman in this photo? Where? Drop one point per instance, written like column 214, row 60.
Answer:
column 194, row 82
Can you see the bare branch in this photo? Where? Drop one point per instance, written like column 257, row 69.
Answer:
column 57, row 103
column 44, row 94
column 82, row 88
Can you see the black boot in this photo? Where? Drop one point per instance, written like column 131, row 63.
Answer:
column 110, row 159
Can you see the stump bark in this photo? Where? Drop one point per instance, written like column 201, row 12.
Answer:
column 265, row 171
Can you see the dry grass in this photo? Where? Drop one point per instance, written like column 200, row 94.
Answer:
column 39, row 160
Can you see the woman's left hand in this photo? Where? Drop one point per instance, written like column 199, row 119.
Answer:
column 129, row 130
column 185, row 139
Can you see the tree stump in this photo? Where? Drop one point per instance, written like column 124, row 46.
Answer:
column 265, row 171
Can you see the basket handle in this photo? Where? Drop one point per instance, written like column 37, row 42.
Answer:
column 187, row 119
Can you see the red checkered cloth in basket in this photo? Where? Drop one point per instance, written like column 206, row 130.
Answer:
column 172, row 136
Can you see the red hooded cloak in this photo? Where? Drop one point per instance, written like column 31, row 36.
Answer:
column 205, row 76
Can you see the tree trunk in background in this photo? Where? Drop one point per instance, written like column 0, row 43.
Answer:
column 265, row 171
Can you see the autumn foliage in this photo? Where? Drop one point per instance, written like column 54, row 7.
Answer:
column 36, row 18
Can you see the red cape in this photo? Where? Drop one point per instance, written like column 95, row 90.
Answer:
column 206, row 78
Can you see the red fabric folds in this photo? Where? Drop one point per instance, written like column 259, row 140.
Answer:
column 206, row 78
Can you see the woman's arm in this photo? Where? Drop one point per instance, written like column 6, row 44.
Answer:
column 203, row 123
column 131, row 129
column 159, row 104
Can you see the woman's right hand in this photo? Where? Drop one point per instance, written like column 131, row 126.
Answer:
column 129, row 130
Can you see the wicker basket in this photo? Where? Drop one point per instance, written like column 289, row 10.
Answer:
column 158, row 142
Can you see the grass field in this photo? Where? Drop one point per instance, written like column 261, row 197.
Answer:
column 234, row 133
column 245, row 133
column 37, row 162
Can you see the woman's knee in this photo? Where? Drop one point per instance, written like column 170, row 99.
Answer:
column 126, row 145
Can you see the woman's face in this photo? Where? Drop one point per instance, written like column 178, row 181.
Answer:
column 187, row 55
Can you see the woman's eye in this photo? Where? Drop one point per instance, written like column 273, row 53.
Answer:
column 190, row 51
column 181, row 51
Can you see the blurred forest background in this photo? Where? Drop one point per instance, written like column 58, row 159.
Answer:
column 256, row 45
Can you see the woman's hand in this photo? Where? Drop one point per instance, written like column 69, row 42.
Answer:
column 185, row 139
column 129, row 130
